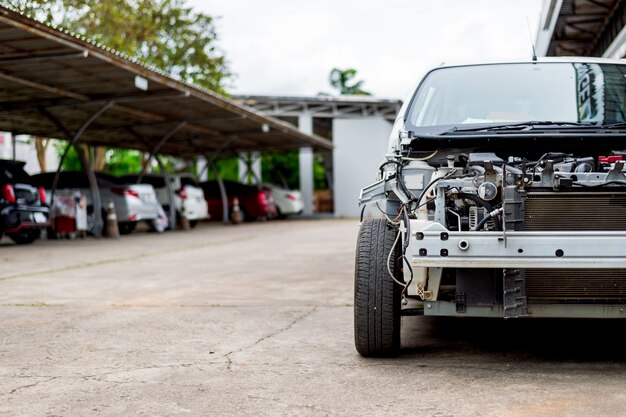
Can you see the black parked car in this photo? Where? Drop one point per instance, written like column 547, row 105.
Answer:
column 23, row 210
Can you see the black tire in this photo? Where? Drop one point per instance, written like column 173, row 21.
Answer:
column 126, row 228
column 193, row 223
column 25, row 236
column 376, row 295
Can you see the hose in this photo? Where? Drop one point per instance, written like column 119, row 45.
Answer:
column 490, row 215
column 487, row 206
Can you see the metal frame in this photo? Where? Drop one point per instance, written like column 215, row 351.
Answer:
column 580, row 311
column 323, row 107
column 438, row 247
column 249, row 159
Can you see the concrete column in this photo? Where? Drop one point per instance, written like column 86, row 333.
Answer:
column 250, row 167
column 202, row 168
column 305, row 124
column 13, row 145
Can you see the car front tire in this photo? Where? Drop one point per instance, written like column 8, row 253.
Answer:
column 376, row 295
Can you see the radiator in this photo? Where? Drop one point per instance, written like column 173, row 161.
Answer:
column 552, row 211
column 573, row 211
column 572, row 285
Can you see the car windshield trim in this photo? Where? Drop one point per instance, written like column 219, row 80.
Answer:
column 522, row 126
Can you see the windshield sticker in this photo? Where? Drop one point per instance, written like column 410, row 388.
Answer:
column 590, row 92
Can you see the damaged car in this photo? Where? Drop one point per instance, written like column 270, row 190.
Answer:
column 503, row 194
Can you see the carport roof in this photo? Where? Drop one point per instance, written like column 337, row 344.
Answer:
column 53, row 81
column 583, row 27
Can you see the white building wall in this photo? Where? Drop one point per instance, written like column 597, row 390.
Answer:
column 25, row 151
column 360, row 147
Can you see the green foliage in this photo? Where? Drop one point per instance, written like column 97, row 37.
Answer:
column 72, row 162
column 228, row 168
column 123, row 161
column 281, row 169
column 165, row 33
column 343, row 81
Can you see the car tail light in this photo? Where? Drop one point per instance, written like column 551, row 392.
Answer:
column 290, row 197
column 42, row 195
column 8, row 193
column 127, row 192
column 182, row 193
column 262, row 198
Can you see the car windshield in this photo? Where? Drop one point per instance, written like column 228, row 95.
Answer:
column 512, row 93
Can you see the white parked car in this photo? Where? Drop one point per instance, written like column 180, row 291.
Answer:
column 287, row 201
column 133, row 202
column 188, row 196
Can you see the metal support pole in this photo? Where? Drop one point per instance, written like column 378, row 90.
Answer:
column 170, row 193
column 211, row 160
column 157, row 147
column 220, row 183
column 93, row 184
column 96, row 199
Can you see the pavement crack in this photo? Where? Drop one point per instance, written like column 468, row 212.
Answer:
column 268, row 336
column 14, row 390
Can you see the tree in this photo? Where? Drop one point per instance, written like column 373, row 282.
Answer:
column 41, row 145
column 343, row 81
column 165, row 33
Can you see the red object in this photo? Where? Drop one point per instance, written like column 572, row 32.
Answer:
column 42, row 195
column 609, row 159
column 250, row 199
column 8, row 193
column 291, row 197
column 262, row 199
column 125, row 192
column 182, row 193
column 65, row 224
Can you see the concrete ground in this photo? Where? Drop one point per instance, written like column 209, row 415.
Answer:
column 257, row 320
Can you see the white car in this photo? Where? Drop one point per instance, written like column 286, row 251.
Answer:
column 188, row 196
column 133, row 202
column 287, row 201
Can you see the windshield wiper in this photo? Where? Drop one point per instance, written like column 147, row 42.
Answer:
column 614, row 125
column 521, row 126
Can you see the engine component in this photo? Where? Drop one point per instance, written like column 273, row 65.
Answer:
column 487, row 191
column 476, row 215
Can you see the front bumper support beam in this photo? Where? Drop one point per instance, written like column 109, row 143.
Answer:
column 436, row 247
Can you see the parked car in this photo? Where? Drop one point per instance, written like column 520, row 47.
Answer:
column 254, row 202
column 133, row 202
column 504, row 195
column 287, row 201
column 23, row 210
column 188, row 195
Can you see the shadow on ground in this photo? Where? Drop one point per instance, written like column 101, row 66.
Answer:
column 550, row 340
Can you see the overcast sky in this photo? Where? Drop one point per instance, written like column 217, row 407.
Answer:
column 288, row 47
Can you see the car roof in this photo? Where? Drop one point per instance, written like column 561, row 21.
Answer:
column 560, row 59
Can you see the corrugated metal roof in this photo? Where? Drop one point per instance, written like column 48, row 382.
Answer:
column 586, row 27
column 48, row 74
